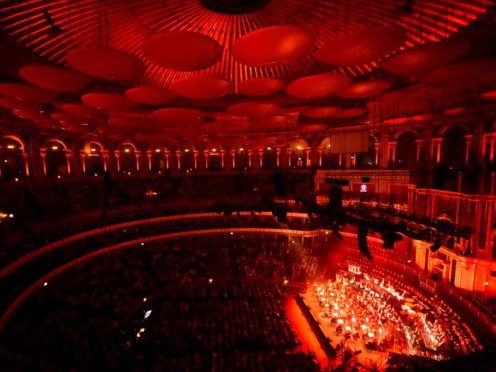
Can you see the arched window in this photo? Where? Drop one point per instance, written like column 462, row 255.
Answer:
column 214, row 160
column 330, row 159
column 493, row 251
column 299, row 153
column 94, row 159
column 56, row 163
column 406, row 151
column 269, row 157
column 452, row 162
column 127, row 158
column 241, row 158
column 365, row 160
column 12, row 164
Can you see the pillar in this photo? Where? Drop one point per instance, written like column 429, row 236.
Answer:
column 391, row 156
column 250, row 153
column 319, row 149
column 384, row 150
column 149, row 158
column 82, row 154
column 68, row 160
column 205, row 154
column 76, row 161
column 178, row 156
column 347, row 160
column 436, row 150
column 167, row 159
column 492, row 141
column 377, row 148
column 418, row 142
column 137, row 155
column 260, row 157
column 233, row 158
column 106, row 160
column 222, row 153
column 43, row 159
column 25, row 156
column 468, row 142
column 195, row 156
column 117, row 154
column 308, row 160
column 278, row 157
column 288, row 155
column 36, row 160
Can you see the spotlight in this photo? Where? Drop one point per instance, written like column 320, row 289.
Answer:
column 436, row 245
column 389, row 238
column 362, row 232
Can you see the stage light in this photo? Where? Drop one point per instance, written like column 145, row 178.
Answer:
column 362, row 232
column 436, row 245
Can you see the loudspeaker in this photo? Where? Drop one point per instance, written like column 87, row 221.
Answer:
column 436, row 245
column 363, row 246
column 337, row 181
column 280, row 190
column 335, row 198
column 365, row 179
column 389, row 238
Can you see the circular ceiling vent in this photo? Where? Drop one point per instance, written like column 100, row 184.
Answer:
column 234, row 6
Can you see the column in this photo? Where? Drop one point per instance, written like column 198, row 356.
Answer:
column 468, row 142
column 353, row 159
column 178, row 156
column 340, row 160
column 167, row 156
column 391, row 159
column 492, row 191
column 149, row 157
column 222, row 153
column 205, row 154
column 377, row 147
column 278, row 157
column 319, row 149
column 106, row 160
column 250, row 153
column 492, row 142
column 260, row 157
column 82, row 154
column 25, row 155
column 117, row 155
column 233, row 158
column 418, row 142
column 68, row 156
column 137, row 154
column 288, row 155
column 384, row 150
column 347, row 160
column 195, row 156
column 43, row 160
column 36, row 160
column 436, row 149
column 76, row 161
column 308, row 159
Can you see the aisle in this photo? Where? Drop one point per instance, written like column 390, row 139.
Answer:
column 309, row 342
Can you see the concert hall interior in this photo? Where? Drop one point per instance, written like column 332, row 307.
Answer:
column 269, row 185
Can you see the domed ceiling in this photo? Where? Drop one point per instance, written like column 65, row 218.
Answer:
column 233, row 62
